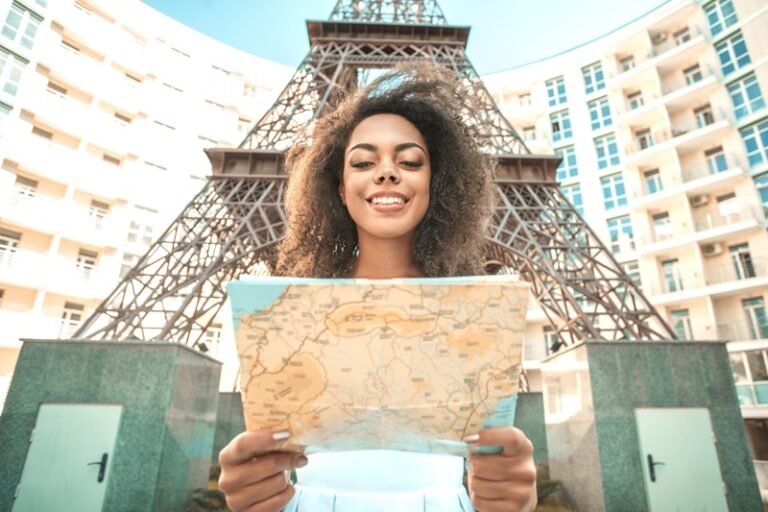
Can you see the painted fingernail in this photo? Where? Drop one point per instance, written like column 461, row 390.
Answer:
column 472, row 438
column 280, row 435
column 302, row 462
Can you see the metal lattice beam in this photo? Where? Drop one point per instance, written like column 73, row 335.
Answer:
column 425, row 12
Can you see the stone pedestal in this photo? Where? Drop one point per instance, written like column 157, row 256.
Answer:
column 591, row 392
column 169, row 394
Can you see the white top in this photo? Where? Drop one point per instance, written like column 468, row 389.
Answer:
column 380, row 480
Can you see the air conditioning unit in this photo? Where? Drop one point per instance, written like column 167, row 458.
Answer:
column 659, row 38
column 710, row 250
column 699, row 200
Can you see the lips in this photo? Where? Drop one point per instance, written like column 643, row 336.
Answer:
column 386, row 198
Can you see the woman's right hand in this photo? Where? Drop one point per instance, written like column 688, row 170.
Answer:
column 255, row 477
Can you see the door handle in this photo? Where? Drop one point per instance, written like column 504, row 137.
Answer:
column 651, row 467
column 103, row 466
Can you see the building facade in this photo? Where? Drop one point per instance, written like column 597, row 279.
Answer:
column 663, row 129
column 105, row 108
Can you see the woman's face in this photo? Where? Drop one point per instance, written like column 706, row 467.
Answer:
column 386, row 177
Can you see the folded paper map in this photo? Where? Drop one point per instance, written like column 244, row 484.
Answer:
column 408, row 364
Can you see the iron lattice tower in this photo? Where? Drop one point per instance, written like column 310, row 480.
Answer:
column 233, row 224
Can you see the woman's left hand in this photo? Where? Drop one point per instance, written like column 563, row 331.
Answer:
column 504, row 481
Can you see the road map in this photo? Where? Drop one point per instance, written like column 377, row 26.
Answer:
column 407, row 364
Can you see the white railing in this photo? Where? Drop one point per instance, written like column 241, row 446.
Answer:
column 678, row 130
column 727, row 272
column 714, row 219
column 740, row 331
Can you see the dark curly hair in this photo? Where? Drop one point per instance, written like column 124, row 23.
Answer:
column 321, row 237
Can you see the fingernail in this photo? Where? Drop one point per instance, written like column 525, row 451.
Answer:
column 302, row 462
column 281, row 435
column 472, row 438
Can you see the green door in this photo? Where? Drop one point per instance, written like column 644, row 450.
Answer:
column 69, row 458
column 680, row 464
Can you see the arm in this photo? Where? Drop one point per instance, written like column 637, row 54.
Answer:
column 255, row 477
column 505, row 481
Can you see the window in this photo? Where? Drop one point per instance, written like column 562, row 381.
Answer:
column 733, row 54
column 155, row 167
column 644, row 139
column 682, row 36
column 9, row 242
column 607, row 151
column 86, row 262
column 97, row 212
column 561, row 125
column 662, row 226
column 614, row 194
column 600, row 113
column 692, row 74
column 573, row 194
column 632, row 268
column 593, row 77
column 728, row 207
column 704, row 116
column 567, row 168
column 122, row 118
column 129, row 261
column 211, row 339
column 756, row 141
column 621, row 235
column 71, row 317
column 525, row 100
column 529, row 132
column 635, row 100
column 111, row 159
column 243, row 125
column 720, row 15
column 716, row 161
column 11, row 69
column 653, row 182
column 164, row 125
column 21, row 26
column 671, row 272
column 25, row 186
column 746, row 97
column 742, row 261
column 43, row 134
column 2, row 294
column 556, row 91
column 179, row 52
column 757, row 321
column 627, row 63
column 552, row 342
column 172, row 87
column 761, row 182
column 681, row 324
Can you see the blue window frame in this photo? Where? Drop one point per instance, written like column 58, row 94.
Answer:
column 621, row 234
column 567, row 168
column 607, row 151
column 720, row 15
column 756, row 141
column 594, row 80
column 733, row 53
column 600, row 113
column 561, row 125
column 746, row 96
column 556, row 91
column 573, row 194
column 614, row 193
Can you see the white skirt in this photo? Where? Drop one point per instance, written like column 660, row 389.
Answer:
column 380, row 480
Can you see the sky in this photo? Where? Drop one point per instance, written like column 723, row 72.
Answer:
column 505, row 33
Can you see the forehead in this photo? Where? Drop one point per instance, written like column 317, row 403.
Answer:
column 381, row 129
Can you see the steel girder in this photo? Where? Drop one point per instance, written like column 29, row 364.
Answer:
column 426, row 12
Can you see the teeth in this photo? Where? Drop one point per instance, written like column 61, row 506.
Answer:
column 387, row 200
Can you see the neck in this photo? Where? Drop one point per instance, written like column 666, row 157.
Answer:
column 385, row 259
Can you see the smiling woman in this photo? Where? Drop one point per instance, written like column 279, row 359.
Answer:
column 400, row 135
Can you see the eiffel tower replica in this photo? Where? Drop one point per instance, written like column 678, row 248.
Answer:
column 233, row 225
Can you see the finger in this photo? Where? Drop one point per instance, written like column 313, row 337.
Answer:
column 490, row 490
column 249, row 444
column 257, row 493
column 500, row 468
column 257, row 469
column 512, row 440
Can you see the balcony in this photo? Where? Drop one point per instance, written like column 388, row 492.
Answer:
column 31, row 210
column 19, row 325
column 90, row 227
column 739, row 331
column 74, row 67
column 68, row 277
column 691, row 181
column 21, row 267
column 736, row 219
column 684, row 137
column 727, row 279
column 99, row 177
column 112, row 134
column 129, row 52
column 122, row 92
column 86, row 27
column 61, row 112
column 43, row 157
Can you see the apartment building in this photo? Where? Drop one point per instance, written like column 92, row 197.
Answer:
column 105, row 108
column 663, row 129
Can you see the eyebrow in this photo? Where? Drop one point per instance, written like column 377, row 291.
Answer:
column 398, row 148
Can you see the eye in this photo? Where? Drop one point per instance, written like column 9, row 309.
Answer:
column 361, row 165
column 411, row 164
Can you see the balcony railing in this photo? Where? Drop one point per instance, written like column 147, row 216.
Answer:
column 671, row 44
column 676, row 85
column 713, row 219
column 694, row 173
column 740, row 331
column 753, row 393
column 663, row 134
column 716, row 274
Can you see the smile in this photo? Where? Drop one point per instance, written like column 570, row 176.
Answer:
column 387, row 198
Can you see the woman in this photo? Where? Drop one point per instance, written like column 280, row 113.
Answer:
column 392, row 185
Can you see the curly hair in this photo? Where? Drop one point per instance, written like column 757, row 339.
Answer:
column 321, row 237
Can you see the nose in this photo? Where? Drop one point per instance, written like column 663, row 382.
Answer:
column 387, row 174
